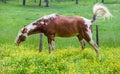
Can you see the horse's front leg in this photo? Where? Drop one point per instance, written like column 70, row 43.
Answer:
column 51, row 43
column 81, row 40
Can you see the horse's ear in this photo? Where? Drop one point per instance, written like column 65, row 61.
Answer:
column 24, row 30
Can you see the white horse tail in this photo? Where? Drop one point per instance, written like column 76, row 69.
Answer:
column 100, row 10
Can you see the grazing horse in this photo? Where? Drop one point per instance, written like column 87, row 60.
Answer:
column 56, row 25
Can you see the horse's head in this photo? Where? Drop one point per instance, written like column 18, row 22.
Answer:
column 22, row 35
column 30, row 29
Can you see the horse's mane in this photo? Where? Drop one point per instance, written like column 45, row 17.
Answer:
column 51, row 16
column 46, row 19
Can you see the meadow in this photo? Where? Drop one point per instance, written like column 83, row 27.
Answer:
column 67, row 59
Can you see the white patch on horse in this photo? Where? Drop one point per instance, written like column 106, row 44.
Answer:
column 51, row 16
column 30, row 27
column 46, row 23
column 50, row 46
column 88, row 23
column 19, row 34
column 53, row 45
column 47, row 17
column 24, row 34
column 41, row 22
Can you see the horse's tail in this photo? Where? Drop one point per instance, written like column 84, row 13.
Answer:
column 100, row 10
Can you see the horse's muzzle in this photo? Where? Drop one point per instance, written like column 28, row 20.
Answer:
column 17, row 44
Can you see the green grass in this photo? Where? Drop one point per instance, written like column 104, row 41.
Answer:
column 67, row 58
column 23, row 60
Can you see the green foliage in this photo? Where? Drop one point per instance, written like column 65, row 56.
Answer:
column 67, row 59
column 21, row 60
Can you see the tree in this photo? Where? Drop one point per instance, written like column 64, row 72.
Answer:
column 102, row 1
column 24, row 1
column 4, row 1
column 76, row 1
column 40, row 3
column 35, row 1
column 47, row 3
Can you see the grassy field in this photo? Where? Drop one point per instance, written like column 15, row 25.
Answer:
column 67, row 59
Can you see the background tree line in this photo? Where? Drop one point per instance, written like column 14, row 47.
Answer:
column 40, row 2
column 47, row 2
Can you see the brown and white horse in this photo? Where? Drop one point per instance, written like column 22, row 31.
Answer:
column 56, row 25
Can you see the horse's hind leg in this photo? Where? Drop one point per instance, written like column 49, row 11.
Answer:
column 95, row 46
column 88, row 37
column 82, row 41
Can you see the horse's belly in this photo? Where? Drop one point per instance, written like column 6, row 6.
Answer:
column 66, row 30
column 66, row 34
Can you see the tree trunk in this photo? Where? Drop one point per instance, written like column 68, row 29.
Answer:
column 24, row 1
column 35, row 1
column 40, row 3
column 4, row 1
column 102, row 1
column 76, row 1
column 47, row 3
